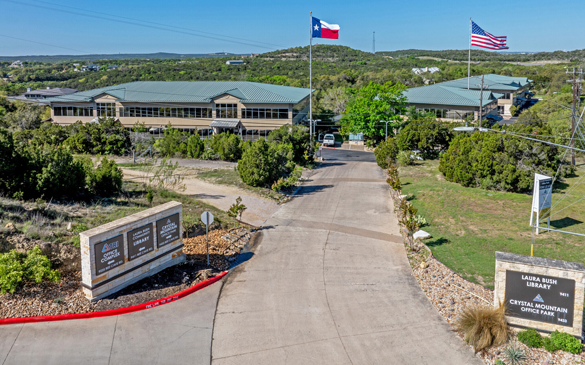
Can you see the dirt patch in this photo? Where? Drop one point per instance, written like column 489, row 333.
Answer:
column 44, row 299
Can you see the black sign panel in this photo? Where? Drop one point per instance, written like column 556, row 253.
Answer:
column 109, row 254
column 168, row 230
column 140, row 241
column 540, row 298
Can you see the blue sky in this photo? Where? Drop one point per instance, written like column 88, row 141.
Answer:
column 537, row 25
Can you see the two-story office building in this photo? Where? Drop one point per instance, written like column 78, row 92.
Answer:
column 452, row 100
column 239, row 106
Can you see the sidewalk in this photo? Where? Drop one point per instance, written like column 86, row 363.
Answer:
column 175, row 333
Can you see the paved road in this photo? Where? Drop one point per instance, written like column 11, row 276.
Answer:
column 175, row 333
column 330, row 283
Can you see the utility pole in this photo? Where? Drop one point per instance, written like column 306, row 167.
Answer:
column 374, row 43
column 480, row 101
column 576, row 101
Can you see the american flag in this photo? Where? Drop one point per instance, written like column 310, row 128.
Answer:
column 481, row 38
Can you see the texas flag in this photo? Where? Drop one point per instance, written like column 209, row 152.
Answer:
column 324, row 30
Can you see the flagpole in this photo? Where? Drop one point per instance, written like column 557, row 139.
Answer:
column 311, row 76
column 469, row 58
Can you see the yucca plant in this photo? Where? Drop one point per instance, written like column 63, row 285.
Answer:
column 514, row 354
column 484, row 326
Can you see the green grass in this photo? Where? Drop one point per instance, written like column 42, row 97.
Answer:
column 469, row 224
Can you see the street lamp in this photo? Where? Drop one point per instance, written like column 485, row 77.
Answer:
column 386, row 121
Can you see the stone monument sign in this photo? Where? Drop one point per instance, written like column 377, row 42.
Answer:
column 124, row 251
column 540, row 293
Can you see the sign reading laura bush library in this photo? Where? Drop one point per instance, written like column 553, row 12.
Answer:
column 140, row 242
column 540, row 298
column 540, row 293
column 109, row 254
column 122, row 252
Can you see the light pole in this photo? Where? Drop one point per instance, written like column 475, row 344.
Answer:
column 386, row 121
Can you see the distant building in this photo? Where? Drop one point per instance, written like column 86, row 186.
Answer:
column 40, row 95
column 113, row 67
column 420, row 71
column 234, row 62
column 91, row 67
column 16, row 64
column 247, row 108
column 452, row 100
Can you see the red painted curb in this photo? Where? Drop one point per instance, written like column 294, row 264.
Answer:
column 118, row 311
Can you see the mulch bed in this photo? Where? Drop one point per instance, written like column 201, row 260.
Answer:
column 66, row 297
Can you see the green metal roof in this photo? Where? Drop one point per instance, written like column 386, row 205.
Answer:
column 192, row 92
column 492, row 82
column 439, row 94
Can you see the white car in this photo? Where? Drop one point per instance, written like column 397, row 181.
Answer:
column 329, row 140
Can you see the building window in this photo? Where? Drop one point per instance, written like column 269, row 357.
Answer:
column 147, row 112
column 72, row 111
column 264, row 113
column 106, row 109
column 226, row 110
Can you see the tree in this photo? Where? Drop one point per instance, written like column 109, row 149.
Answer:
column 257, row 166
column 195, row 146
column 335, row 99
column 426, row 134
column 372, row 104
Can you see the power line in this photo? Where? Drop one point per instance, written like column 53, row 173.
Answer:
column 44, row 44
column 136, row 23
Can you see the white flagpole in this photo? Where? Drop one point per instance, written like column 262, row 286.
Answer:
column 469, row 59
column 311, row 76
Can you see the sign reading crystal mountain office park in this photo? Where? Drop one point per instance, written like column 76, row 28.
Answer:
column 127, row 250
column 540, row 293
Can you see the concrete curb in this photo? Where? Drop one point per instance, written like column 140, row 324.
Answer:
column 118, row 311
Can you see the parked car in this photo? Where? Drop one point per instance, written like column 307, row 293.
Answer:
column 329, row 140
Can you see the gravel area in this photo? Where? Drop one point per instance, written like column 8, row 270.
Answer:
column 67, row 297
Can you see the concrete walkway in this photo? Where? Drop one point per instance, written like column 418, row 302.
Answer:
column 330, row 283
column 175, row 333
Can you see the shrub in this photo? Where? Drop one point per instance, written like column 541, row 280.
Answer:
column 562, row 341
column 530, row 337
column 297, row 137
column 195, row 146
column 501, row 162
column 106, row 179
column 257, row 166
column 405, row 158
column 426, row 134
column 15, row 267
column 237, row 209
column 172, row 143
column 483, row 326
column 393, row 179
column 386, row 153
column 230, row 148
column 106, row 137
column 514, row 354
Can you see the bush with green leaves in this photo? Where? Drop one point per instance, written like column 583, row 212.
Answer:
column 173, row 143
column 258, row 164
column 297, row 138
column 105, row 137
column 195, row 146
column 16, row 267
column 386, row 153
column 498, row 161
column 563, row 341
column 530, row 337
column 405, row 158
column 426, row 134
column 105, row 179
column 230, row 147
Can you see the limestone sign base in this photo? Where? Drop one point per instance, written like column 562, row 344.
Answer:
column 122, row 252
column 540, row 293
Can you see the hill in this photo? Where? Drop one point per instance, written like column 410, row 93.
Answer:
column 119, row 56
column 478, row 55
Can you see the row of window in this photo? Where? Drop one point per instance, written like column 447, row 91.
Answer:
column 264, row 113
column 222, row 111
column 73, row 111
column 130, row 111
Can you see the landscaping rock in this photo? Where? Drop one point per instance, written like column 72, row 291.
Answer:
column 421, row 235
